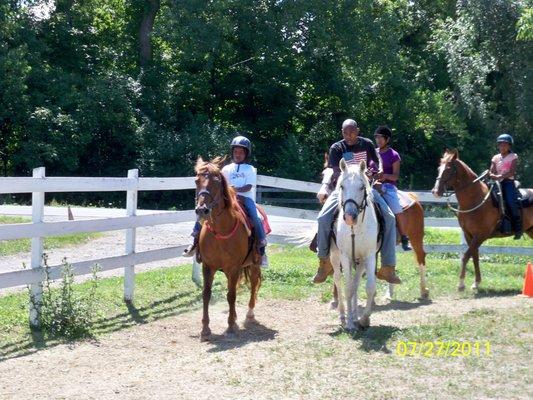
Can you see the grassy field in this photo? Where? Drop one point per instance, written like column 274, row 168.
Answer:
column 8, row 247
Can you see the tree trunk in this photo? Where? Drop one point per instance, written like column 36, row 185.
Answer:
column 149, row 12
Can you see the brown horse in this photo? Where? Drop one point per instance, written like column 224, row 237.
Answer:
column 478, row 217
column 413, row 223
column 223, row 242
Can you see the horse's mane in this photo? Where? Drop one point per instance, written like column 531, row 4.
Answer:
column 214, row 167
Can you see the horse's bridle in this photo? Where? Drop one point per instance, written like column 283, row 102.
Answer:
column 207, row 194
column 453, row 167
column 448, row 194
column 359, row 207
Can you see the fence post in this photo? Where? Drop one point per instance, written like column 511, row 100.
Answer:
column 131, row 210
column 36, row 290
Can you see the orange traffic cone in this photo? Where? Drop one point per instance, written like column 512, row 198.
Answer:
column 527, row 290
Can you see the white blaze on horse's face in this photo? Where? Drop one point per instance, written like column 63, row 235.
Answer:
column 353, row 187
column 437, row 192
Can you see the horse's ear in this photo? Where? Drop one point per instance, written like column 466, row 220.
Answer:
column 199, row 163
column 451, row 154
column 219, row 161
column 342, row 165
column 455, row 154
column 362, row 166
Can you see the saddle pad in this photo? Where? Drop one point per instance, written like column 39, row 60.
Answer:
column 247, row 222
column 406, row 201
column 264, row 219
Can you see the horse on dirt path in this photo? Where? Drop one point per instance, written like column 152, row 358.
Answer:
column 224, row 242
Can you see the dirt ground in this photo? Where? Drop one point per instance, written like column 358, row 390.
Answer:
column 293, row 350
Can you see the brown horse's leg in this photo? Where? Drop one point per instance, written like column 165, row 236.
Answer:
column 255, row 282
column 475, row 259
column 233, row 280
column 415, row 230
column 209, row 274
column 466, row 256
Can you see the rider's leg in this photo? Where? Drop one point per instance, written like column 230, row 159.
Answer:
column 390, row 195
column 189, row 251
column 388, row 249
column 510, row 194
column 251, row 210
column 325, row 221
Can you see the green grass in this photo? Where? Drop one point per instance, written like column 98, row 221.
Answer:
column 166, row 292
column 453, row 236
column 8, row 247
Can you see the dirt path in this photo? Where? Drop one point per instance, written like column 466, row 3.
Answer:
column 293, row 351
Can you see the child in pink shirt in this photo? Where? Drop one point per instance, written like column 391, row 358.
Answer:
column 503, row 169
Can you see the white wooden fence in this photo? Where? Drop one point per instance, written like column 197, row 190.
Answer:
column 39, row 184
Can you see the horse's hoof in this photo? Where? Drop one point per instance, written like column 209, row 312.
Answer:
column 205, row 335
column 250, row 316
column 230, row 333
column 364, row 322
column 350, row 326
column 461, row 287
column 333, row 305
column 424, row 294
column 475, row 286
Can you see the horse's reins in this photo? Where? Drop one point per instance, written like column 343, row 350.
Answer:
column 448, row 194
column 361, row 208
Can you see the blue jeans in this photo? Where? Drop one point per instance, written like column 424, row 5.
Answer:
column 390, row 195
column 510, row 196
column 251, row 210
column 325, row 221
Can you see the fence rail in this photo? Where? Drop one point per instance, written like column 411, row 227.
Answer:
column 133, row 218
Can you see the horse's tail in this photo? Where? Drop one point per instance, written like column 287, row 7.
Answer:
column 245, row 275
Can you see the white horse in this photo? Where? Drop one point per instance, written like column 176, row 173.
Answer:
column 357, row 236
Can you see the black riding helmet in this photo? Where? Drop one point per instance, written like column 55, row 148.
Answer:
column 244, row 142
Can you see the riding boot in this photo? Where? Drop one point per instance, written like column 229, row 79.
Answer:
column 517, row 226
column 405, row 243
column 191, row 250
column 388, row 273
column 325, row 269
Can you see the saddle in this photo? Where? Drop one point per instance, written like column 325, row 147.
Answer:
column 525, row 200
column 253, row 256
column 406, row 201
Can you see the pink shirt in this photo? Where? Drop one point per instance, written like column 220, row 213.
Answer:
column 503, row 164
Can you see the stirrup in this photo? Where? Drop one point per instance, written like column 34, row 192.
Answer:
column 405, row 243
column 190, row 251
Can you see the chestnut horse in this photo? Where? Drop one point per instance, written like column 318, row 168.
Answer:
column 478, row 217
column 223, row 242
column 413, row 221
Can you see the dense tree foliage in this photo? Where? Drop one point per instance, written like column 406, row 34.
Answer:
column 95, row 87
